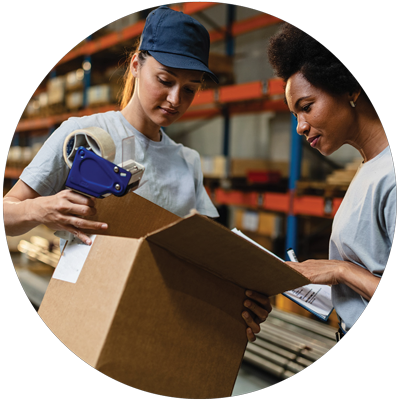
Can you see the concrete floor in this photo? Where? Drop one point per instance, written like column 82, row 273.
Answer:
column 251, row 379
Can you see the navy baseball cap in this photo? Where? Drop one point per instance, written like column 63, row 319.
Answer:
column 176, row 40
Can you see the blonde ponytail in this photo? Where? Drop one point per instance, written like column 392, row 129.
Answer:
column 128, row 88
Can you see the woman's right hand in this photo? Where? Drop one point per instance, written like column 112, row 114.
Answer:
column 24, row 209
column 66, row 211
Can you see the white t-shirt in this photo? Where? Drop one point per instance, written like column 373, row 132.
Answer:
column 172, row 179
column 363, row 229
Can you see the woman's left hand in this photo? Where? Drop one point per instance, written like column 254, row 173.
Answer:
column 259, row 308
column 333, row 272
column 324, row 272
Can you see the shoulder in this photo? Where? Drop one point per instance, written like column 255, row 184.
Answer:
column 99, row 119
column 189, row 154
column 384, row 171
column 378, row 173
column 373, row 183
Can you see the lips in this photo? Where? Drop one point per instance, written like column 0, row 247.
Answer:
column 313, row 140
column 169, row 111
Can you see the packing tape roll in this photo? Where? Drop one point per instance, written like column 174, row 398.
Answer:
column 95, row 139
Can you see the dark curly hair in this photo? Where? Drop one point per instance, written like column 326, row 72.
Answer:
column 291, row 50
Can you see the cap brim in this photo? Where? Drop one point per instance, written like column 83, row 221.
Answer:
column 182, row 62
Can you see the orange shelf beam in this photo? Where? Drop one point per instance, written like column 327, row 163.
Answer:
column 253, row 23
column 45, row 122
column 249, row 97
column 245, row 26
column 309, row 205
column 244, row 98
column 127, row 33
column 132, row 31
column 336, row 202
column 277, row 202
column 104, row 42
column 240, row 92
column 12, row 173
column 194, row 7
column 236, row 197
column 276, row 87
column 205, row 97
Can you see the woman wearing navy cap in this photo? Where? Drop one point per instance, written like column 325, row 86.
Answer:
column 163, row 76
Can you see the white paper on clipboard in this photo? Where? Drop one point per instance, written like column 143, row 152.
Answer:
column 314, row 298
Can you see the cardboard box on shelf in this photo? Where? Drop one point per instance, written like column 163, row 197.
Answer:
column 263, row 223
column 74, row 79
column 98, row 94
column 240, row 167
column 56, row 90
column 74, row 100
column 221, row 63
column 157, row 304
column 102, row 94
column 213, row 167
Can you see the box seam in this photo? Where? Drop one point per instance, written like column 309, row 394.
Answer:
column 140, row 241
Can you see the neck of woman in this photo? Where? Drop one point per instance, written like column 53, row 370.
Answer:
column 135, row 116
column 370, row 138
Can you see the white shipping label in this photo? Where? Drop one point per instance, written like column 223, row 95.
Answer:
column 250, row 221
column 71, row 261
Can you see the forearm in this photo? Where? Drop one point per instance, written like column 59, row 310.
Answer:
column 332, row 272
column 24, row 209
column 359, row 279
column 19, row 216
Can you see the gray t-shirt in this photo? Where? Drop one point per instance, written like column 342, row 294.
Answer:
column 172, row 179
column 363, row 229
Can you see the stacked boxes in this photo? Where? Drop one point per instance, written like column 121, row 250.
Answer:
column 262, row 227
column 74, row 88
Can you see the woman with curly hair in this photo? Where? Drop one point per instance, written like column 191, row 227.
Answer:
column 331, row 110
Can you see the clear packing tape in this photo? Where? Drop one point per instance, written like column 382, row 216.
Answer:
column 95, row 139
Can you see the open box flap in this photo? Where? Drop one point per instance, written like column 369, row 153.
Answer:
column 130, row 216
column 215, row 248
column 199, row 240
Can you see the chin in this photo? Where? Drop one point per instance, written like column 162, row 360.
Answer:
column 327, row 152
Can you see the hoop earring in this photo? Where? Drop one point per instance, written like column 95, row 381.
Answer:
column 352, row 103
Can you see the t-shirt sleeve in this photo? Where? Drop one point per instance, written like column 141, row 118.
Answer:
column 390, row 213
column 48, row 172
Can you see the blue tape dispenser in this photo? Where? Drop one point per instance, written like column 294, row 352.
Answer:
column 89, row 153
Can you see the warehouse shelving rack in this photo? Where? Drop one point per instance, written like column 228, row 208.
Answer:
column 223, row 101
column 220, row 101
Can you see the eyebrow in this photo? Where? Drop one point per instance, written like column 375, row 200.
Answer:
column 297, row 102
column 174, row 74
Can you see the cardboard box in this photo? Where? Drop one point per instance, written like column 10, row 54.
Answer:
column 102, row 94
column 74, row 100
column 214, row 167
column 74, row 79
column 263, row 223
column 158, row 302
column 240, row 167
column 56, row 90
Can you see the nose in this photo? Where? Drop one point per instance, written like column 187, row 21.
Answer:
column 173, row 96
column 303, row 127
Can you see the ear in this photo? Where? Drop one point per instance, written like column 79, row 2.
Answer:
column 134, row 65
column 355, row 95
